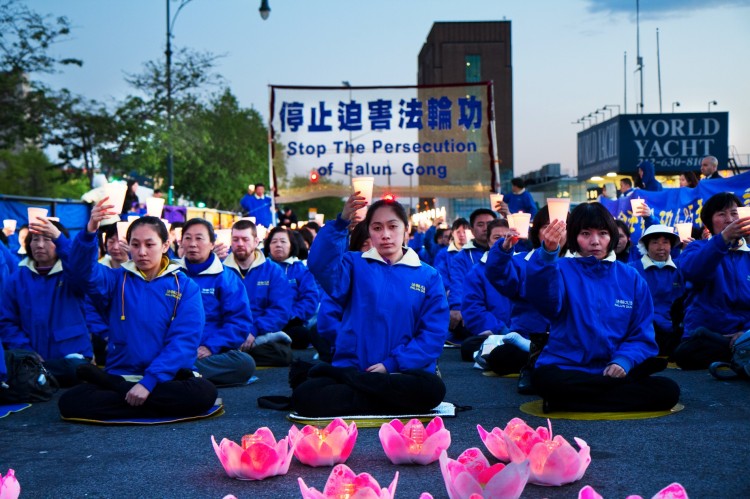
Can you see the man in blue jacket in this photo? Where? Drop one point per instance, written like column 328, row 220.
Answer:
column 256, row 204
column 268, row 291
column 520, row 199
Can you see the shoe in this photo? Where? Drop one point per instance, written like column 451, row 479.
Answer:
column 525, row 386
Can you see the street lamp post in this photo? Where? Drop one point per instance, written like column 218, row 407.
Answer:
column 264, row 9
column 610, row 106
column 674, row 105
column 711, row 103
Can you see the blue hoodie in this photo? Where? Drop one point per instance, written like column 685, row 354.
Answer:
column 666, row 286
column 521, row 202
column 305, row 294
column 649, row 177
column 483, row 308
column 8, row 261
column 507, row 274
column 155, row 326
column 45, row 314
column 396, row 314
column 720, row 295
column 258, row 207
column 459, row 268
column 268, row 292
column 228, row 316
column 600, row 312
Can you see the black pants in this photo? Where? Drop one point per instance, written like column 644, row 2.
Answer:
column 570, row 390
column 299, row 333
column 333, row 391
column 507, row 359
column 667, row 339
column 105, row 399
column 701, row 348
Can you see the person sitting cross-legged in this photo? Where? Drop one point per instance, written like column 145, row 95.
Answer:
column 228, row 316
column 156, row 319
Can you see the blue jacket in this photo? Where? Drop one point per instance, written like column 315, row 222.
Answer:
column 45, row 314
column 649, row 179
column 268, row 292
column 305, row 294
column 329, row 318
column 155, row 326
column 396, row 315
column 507, row 274
column 666, row 286
column 442, row 263
column 600, row 312
column 483, row 308
column 8, row 261
column 459, row 268
column 260, row 208
column 719, row 298
column 521, row 202
column 227, row 309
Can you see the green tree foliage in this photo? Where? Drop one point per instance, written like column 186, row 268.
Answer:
column 29, row 173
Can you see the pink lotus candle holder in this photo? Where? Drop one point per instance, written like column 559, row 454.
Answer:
column 343, row 483
column 671, row 491
column 412, row 443
column 9, row 486
column 259, row 456
column 553, row 460
column 471, row 476
column 327, row 447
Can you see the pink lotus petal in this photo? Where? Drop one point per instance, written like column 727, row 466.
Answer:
column 508, row 483
column 309, row 492
column 672, row 491
column 556, row 462
column 588, row 492
column 344, row 482
column 425, row 495
column 9, row 486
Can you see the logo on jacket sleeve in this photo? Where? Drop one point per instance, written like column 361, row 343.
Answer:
column 417, row 287
column 624, row 303
column 173, row 293
column 263, row 283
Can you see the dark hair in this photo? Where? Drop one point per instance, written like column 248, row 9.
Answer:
column 673, row 240
column 109, row 231
column 480, row 211
column 157, row 191
column 540, row 220
column 498, row 222
column 4, row 238
column 439, row 233
column 260, row 184
column 460, row 222
column 29, row 235
column 517, row 182
column 716, row 203
column 591, row 216
column 200, row 221
column 281, row 229
column 156, row 225
column 397, row 207
column 627, row 181
column 358, row 236
column 306, row 235
column 176, row 225
column 314, row 226
column 691, row 178
column 302, row 250
column 625, row 228
column 244, row 225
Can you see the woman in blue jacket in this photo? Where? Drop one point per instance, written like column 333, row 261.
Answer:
column 156, row 320
column 601, row 345
column 281, row 247
column 228, row 316
column 42, row 310
column 717, row 307
column 394, row 323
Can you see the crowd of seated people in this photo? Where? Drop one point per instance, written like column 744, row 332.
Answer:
column 150, row 324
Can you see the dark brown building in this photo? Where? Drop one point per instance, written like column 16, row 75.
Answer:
column 467, row 52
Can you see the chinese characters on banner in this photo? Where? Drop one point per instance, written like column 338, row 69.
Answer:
column 414, row 141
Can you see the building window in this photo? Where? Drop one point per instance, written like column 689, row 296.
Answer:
column 473, row 68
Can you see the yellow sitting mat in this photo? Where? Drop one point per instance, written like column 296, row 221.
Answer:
column 535, row 409
column 9, row 408
column 493, row 374
column 216, row 410
column 444, row 410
